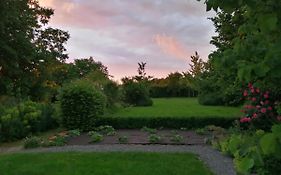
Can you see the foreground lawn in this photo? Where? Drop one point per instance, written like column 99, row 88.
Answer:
column 101, row 164
column 178, row 107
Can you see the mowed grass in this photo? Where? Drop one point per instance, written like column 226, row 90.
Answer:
column 101, row 164
column 178, row 107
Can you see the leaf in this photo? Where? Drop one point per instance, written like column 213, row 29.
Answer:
column 244, row 165
column 234, row 143
column 261, row 69
column 276, row 130
column 268, row 143
column 267, row 22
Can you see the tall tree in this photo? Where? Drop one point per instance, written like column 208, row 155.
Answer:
column 26, row 44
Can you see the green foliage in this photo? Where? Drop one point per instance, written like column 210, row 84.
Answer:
column 106, row 130
column 26, row 118
column 177, row 138
column 136, row 93
column 149, row 130
column 28, row 47
column 74, row 133
column 32, row 142
column 123, row 139
column 259, row 151
column 95, row 136
column 57, row 140
column 154, row 138
column 248, row 43
column 81, row 105
column 211, row 99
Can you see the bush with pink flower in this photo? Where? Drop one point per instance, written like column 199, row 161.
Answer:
column 260, row 109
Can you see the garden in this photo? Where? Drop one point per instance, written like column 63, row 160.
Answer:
column 221, row 116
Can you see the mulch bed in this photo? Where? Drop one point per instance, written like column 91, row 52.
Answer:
column 141, row 137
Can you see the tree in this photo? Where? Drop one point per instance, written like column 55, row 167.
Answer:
column 254, row 52
column 27, row 43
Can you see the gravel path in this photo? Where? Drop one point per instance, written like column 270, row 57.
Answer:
column 219, row 164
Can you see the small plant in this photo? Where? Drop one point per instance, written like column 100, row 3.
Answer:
column 200, row 131
column 149, row 130
column 106, row 130
column 31, row 142
column 174, row 132
column 177, row 138
column 95, row 136
column 57, row 140
column 74, row 133
column 123, row 139
column 154, row 138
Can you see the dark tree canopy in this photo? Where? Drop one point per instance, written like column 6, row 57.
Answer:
column 27, row 45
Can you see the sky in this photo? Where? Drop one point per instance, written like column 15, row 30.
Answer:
column 121, row 33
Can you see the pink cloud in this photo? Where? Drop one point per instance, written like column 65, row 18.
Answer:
column 170, row 46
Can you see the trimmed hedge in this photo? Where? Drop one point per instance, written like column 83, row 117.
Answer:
column 167, row 122
column 81, row 105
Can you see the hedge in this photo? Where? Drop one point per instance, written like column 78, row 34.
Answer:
column 165, row 122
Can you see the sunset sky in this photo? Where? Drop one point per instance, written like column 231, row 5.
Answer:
column 121, row 33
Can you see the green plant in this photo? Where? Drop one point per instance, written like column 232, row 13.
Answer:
column 136, row 93
column 57, row 140
column 200, row 131
column 74, row 133
column 106, row 130
column 32, row 142
column 81, row 105
column 149, row 130
column 154, row 138
column 177, row 138
column 95, row 136
column 254, row 151
column 123, row 139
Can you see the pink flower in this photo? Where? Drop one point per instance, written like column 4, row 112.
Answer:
column 269, row 108
column 258, row 90
column 279, row 118
column 258, row 106
column 263, row 110
column 250, row 85
column 254, row 99
column 253, row 90
column 245, row 120
column 266, row 95
column 245, row 93
column 266, row 102
column 261, row 102
column 255, row 115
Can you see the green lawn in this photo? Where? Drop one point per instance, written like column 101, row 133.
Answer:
column 178, row 107
column 101, row 164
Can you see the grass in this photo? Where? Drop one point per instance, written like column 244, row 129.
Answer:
column 178, row 107
column 101, row 164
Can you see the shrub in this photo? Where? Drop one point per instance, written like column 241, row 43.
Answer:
column 255, row 152
column 106, row 130
column 177, row 138
column 154, row 138
column 32, row 142
column 123, row 139
column 260, row 111
column 74, row 132
column 111, row 90
column 28, row 117
column 212, row 99
column 95, row 136
column 136, row 93
column 81, row 105
column 149, row 130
